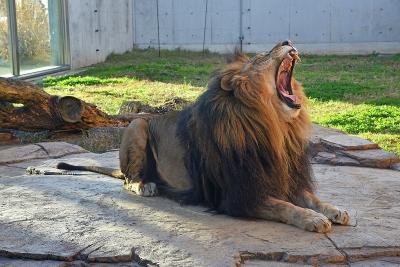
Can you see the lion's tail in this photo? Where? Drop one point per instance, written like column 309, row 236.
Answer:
column 116, row 173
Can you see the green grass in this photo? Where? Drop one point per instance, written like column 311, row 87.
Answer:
column 71, row 81
column 357, row 94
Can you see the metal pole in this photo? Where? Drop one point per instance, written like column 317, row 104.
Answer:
column 13, row 37
column 66, row 55
column 241, row 26
column 158, row 31
column 205, row 25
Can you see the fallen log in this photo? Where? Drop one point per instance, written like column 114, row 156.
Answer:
column 38, row 110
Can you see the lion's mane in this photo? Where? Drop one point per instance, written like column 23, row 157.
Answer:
column 240, row 149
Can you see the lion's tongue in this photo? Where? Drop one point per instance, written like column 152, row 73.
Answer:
column 294, row 98
column 282, row 81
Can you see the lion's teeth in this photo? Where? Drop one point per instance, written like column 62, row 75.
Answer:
column 295, row 56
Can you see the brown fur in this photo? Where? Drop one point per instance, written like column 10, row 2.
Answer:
column 238, row 149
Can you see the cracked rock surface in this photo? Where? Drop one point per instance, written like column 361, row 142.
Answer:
column 333, row 147
column 89, row 219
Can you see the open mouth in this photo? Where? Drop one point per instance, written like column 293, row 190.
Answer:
column 284, row 78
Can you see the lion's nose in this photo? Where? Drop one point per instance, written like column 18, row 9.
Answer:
column 287, row 42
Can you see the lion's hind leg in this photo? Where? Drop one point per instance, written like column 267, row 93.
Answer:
column 134, row 159
column 283, row 211
column 311, row 201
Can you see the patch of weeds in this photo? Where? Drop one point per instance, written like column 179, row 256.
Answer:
column 99, row 140
column 389, row 142
column 137, row 107
column 32, row 137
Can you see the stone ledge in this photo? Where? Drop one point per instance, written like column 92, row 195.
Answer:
column 330, row 146
column 347, row 142
column 395, row 166
column 375, row 158
column 38, row 151
column 334, row 159
column 63, row 215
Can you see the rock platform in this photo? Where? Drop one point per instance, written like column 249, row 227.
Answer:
column 90, row 220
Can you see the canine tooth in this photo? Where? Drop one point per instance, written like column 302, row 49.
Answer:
column 295, row 55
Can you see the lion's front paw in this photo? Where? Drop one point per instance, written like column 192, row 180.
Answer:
column 338, row 216
column 317, row 222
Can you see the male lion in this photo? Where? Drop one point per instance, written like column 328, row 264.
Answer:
column 239, row 149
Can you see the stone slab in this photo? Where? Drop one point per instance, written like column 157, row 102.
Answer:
column 376, row 158
column 58, row 149
column 60, row 215
column 10, row 171
column 333, row 159
column 38, row 151
column 383, row 262
column 372, row 196
column 21, row 153
column 347, row 142
column 395, row 166
column 331, row 146
column 317, row 133
column 6, row 262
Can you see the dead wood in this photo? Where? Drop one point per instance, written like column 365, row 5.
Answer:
column 38, row 110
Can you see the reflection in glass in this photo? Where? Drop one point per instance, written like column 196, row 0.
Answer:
column 5, row 58
column 33, row 34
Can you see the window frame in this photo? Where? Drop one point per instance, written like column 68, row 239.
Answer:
column 13, row 42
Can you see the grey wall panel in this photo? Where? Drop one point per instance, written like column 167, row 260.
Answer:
column 166, row 20
column 189, row 21
column 145, row 18
column 351, row 21
column 224, row 26
column 385, row 25
column 365, row 21
column 321, row 26
column 114, row 26
column 80, row 31
column 269, row 21
column 310, row 21
column 98, row 28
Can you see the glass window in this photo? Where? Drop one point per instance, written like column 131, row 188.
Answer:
column 5, row 58
column 36, row 40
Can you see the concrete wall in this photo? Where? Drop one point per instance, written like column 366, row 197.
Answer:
column 97, row 28
column 315, row 26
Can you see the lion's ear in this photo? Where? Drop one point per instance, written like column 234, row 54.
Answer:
column 226, row 83
column 232, row 82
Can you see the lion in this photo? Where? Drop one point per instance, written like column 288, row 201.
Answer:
column 240, row 149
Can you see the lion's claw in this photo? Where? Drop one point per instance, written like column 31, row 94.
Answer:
column 142, row 189
column 338, row 216
column 148, row 190
column 317, row 222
